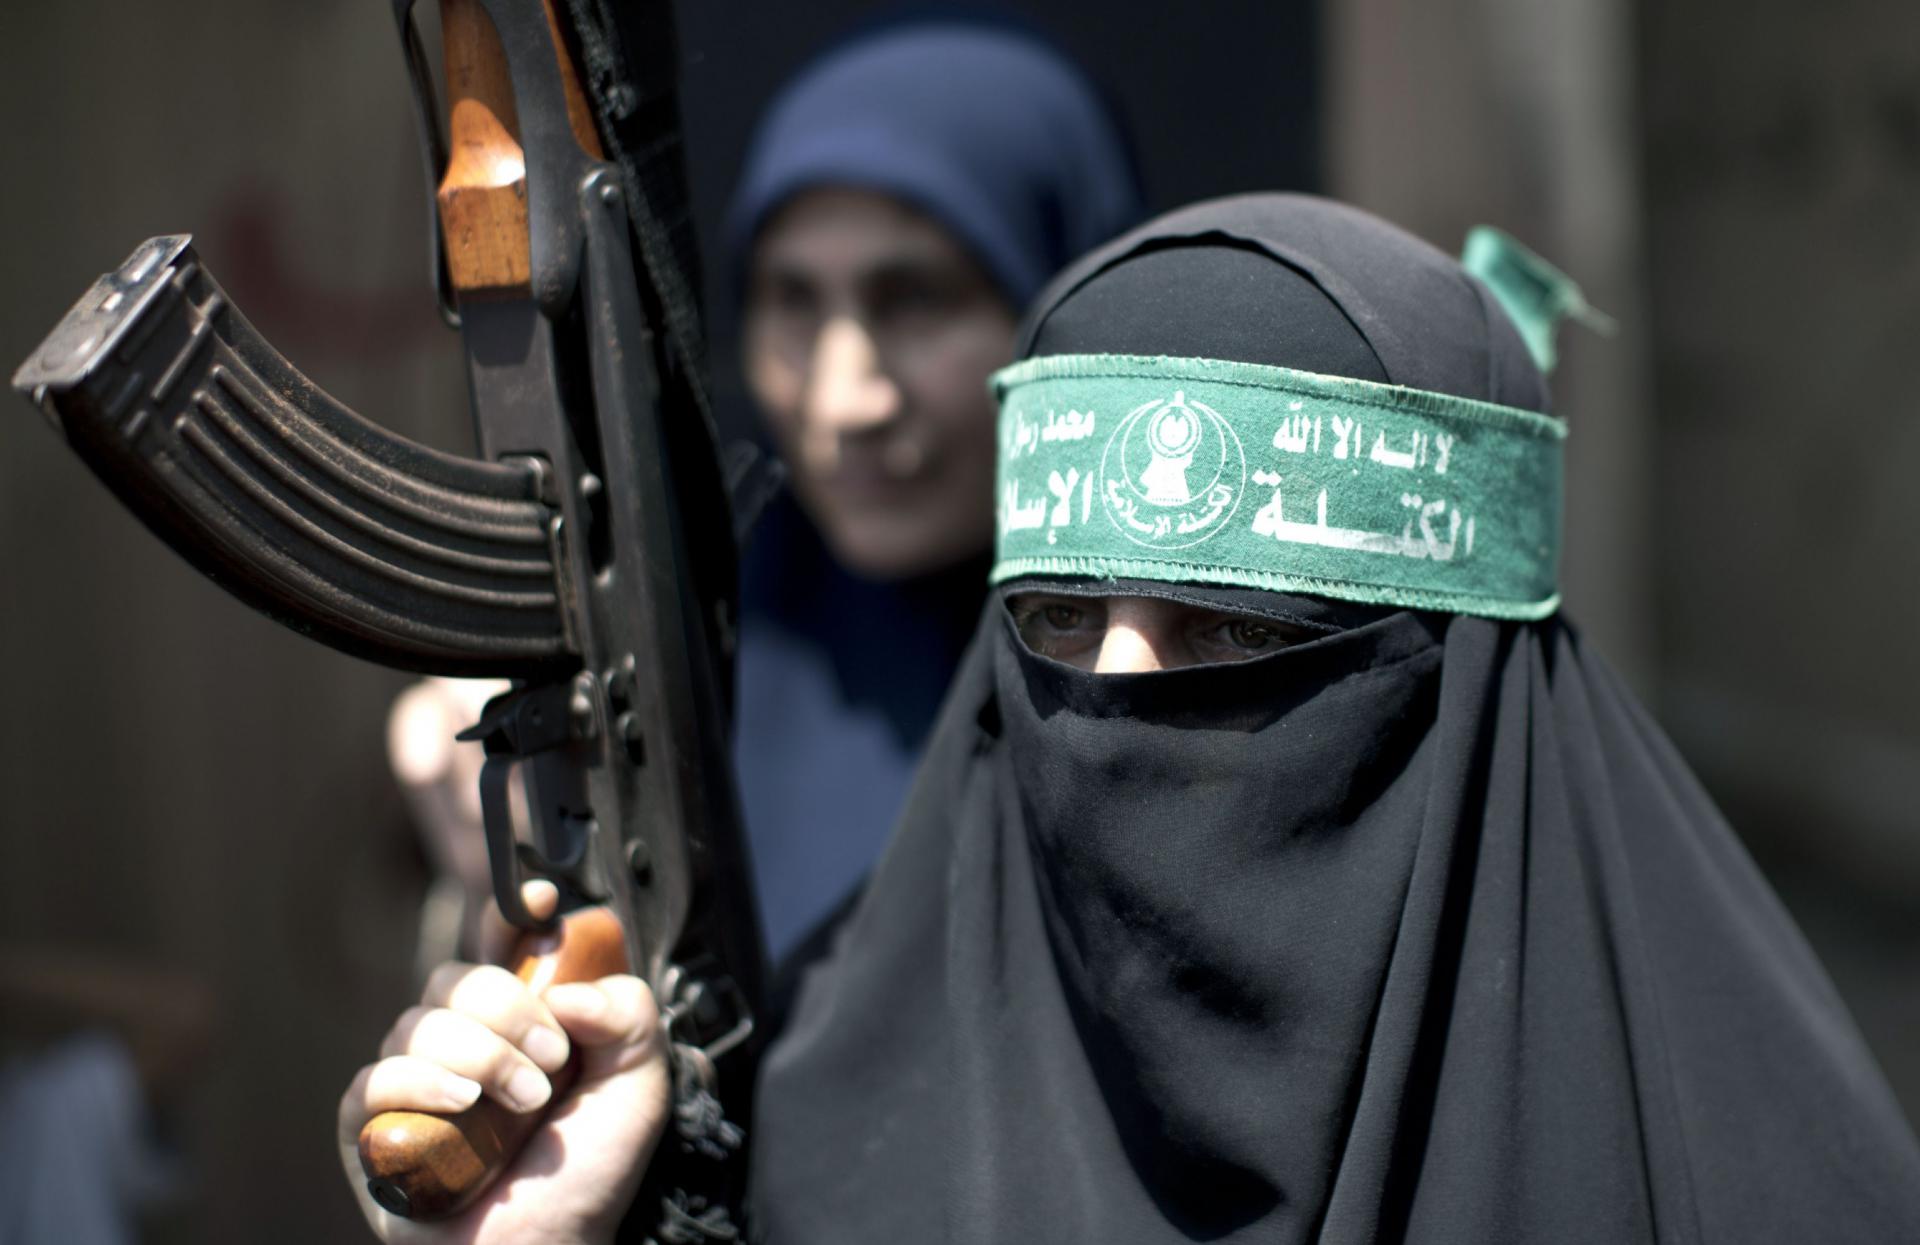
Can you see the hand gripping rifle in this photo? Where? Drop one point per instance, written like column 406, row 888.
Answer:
column 588, row 554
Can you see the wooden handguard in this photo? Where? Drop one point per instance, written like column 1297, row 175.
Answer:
column 482, row 197
column 425, row 1166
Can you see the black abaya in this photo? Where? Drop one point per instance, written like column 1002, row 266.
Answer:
column 1416, row 932
column 1428, row 936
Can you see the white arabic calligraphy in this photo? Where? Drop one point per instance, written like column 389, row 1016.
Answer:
column 1129, row 513
column 1016, row 516
column 1062, row 490
column 1270, row 520
column 1343, row 428
column 1022, row 438
column 1298, row 435
column 1073, row 426
column 1405, row 459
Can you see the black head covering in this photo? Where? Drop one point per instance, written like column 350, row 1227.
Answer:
column 1416, row 932
column 1292, row 281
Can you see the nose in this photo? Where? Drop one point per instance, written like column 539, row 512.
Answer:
column 1133, row 638
column 847, row 392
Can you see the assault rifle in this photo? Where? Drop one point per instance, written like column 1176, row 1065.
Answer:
column 588, row 554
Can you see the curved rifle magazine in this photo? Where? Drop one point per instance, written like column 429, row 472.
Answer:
column 330, row 524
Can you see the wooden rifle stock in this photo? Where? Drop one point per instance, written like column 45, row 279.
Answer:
column 425, row 1166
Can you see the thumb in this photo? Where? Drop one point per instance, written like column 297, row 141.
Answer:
column 617, row 1029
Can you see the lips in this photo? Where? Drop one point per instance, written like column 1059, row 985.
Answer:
column 879, row 472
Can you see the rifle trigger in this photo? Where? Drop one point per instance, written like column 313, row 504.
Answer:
column 571, row 866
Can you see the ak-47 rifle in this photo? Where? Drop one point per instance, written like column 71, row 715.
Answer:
column 588, row 553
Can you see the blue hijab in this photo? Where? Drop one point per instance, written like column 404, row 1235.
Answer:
column 985, row 128
column 993, row 134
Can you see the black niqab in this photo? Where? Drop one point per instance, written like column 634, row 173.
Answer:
column 1416, row 932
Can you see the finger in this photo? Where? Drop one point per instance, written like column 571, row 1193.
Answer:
column 502, row 1002
column 352, row 1117
column 613, row 1009
column 614, row 1021
column 541, row 897
column 498, row 937
column 624, row 1066
column 465, row 1046
column 404, row 1083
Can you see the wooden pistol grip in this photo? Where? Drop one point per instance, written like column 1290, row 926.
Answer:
column 482, row 197
column 425, row 1166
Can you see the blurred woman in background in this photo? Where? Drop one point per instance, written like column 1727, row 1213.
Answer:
column 902, row 199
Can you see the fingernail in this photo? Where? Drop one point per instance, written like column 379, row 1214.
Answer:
column 527, row 1089
column 545, row 1047
column 461, row 1091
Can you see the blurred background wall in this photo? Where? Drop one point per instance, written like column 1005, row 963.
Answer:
column 1739, row 184
column 195, row 802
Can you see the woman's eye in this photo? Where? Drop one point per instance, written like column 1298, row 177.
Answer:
column 1249, row 637
column 1062, row 629
column 1062, row 617
column 1246, row 633
column 784, row 295
column 909, row 310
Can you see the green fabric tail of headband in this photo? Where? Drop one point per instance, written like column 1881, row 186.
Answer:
column 1535, row 294
column 1208, row 472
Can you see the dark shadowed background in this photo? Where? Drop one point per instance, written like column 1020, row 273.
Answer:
column 196, row 803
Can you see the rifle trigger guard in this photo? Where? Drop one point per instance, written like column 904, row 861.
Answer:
column 514, row 726
column 503, row 849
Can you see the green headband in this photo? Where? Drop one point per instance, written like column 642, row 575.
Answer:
column 1202, row 471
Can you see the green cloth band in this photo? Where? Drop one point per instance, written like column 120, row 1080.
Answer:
column 1535, row 295
column 1209, row 472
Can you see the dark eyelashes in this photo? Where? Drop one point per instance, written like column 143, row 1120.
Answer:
column 1053, row 627
column 1029, row 613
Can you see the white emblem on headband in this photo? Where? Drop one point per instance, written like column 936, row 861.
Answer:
column 1172, row 473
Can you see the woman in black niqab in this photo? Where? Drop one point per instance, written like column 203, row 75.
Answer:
column 1418, row 931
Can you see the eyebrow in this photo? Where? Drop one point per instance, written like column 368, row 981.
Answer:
column 917, row 266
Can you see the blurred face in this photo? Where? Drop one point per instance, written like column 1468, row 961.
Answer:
column 1133, row 635
column 870, row 335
